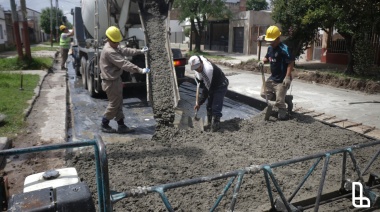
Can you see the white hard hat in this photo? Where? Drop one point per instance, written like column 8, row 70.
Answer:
column 194, row 62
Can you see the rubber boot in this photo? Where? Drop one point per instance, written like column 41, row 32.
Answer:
column 281, row 113
column 122, row 128
column 289, row 102
column 215, row 124
column 105, row 127
column 209, row 119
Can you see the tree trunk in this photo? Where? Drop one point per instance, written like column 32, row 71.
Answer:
column 350, row 51
column 197, row 34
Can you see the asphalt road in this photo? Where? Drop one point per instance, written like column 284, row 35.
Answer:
column 86, row 112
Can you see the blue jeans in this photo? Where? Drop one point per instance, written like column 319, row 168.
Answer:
column 215, row 101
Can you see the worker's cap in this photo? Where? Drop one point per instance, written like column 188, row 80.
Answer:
column 194, row 62
column 62, row 27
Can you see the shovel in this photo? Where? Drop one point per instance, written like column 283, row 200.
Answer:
column 197, row 121
column 269, row 106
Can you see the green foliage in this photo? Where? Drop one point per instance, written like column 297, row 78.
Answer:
column 257, row 5
column 291, row 15
column 37, row 63
column 14, row 101
column 198, row 12
column 187, row 32
column 45, row 19
column 364, row 55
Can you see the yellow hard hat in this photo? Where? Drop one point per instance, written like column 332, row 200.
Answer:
column 272, row 34
column 62, row 27
column 114, row 34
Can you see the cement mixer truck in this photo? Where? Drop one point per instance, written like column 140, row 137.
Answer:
column 91, row 20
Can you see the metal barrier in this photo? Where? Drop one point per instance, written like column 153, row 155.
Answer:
column 101, row 164
column 282, row 203
column 107, row 198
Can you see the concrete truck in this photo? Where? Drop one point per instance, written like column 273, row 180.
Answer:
column 91, row 20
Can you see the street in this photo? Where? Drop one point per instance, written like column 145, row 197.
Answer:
column 86, row 112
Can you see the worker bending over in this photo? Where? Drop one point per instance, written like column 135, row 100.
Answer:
column 112, row 64
column 215, row 88
column 281, row 66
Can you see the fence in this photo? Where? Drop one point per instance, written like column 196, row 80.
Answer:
column 107, row 198
column 177, row 37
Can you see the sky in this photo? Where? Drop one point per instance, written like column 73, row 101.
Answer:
column 38, row 5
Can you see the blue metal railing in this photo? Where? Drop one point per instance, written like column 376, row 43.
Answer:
column 107, row 198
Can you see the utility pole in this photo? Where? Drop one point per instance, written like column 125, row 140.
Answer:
column 51, row 23
column 56, row 20
column 16, row 30
column 26, row 29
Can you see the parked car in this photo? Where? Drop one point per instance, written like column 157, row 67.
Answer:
column 179, row 63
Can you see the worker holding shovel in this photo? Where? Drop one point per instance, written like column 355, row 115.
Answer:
column 281, row 66
column 215, row 88
column 112, row 64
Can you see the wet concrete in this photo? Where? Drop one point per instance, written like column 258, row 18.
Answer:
column 87, row 112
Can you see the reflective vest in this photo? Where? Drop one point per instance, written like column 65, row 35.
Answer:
column 64, row 42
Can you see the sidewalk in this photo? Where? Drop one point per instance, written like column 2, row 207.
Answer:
column 329, row 104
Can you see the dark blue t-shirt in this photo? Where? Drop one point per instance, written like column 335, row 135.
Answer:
column 279, row 58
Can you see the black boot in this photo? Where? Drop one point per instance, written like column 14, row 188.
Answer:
column 209, row 119
column 215, row 124
column 289, row 102
column 105, row 127
column 122, row 128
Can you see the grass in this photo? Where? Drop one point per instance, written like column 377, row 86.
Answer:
column 43, row 48
column 14, row 101
column 37, row 63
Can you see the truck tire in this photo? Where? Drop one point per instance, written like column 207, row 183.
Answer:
column 83, row 65
column 90, row 78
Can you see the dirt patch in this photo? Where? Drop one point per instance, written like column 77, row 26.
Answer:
column 185, row 154
column 318, row 74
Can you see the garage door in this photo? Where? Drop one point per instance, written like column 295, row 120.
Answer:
column 238, row 39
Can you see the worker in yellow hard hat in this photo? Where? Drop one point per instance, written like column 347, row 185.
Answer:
column 112, row 64
column 281, row 65
column 64, row 42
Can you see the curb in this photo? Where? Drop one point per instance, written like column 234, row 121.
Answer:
column 37, row 92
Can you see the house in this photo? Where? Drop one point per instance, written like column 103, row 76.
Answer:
column 3, row 30
column 34, row 30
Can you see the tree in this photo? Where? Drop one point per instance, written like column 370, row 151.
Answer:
column 291, row 15
column 300, row 20
column 198, row 12
column 45, row 19
column 257, row 5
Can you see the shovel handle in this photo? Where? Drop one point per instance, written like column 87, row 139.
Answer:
column 264, row 84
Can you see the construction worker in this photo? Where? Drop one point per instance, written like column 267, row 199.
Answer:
column 112, row 64
column 215, row 88
column 64, row 42
column 281, row 66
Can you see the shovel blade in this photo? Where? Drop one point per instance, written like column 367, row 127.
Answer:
column 197, row 123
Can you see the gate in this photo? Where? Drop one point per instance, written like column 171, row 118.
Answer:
column 238, row 39
column 317, row 50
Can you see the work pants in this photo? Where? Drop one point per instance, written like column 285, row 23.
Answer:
column 215, row 101
column 275, row 92
column 64, row 55
column 114, row 91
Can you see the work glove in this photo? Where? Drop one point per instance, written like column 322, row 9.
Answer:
column 260, row 63
column 287, row 81
column 144, row 49
column 145, row 70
